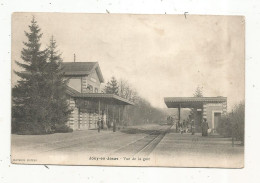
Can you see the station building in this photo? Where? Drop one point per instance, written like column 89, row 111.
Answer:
column 210, row 108
column 89, row 105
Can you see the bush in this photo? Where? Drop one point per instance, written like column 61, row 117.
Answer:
column 225, row 126
column 63, row 129
column 233, row 124
column 238, row 119
column 24, row 128
column 28, row 128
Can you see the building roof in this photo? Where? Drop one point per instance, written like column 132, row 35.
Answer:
column 103, row 97
column 191, row 102
column 71, row 92
column 81, row 69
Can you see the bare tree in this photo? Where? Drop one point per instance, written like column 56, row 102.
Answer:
column 127, row 91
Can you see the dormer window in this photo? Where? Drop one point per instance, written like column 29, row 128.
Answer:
column 90, row 88
column 88, row 76
column 93, row 79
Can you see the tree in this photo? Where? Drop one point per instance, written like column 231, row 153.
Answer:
column 59, row 107
column 198, row 92
column 39, row 99
column 112, row 86
column 233, row 124
column 238, row 121
column 142, row 112
column 194, row 113
column 126, row 90
column 30, row 95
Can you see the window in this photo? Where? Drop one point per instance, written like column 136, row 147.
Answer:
column 90, row 88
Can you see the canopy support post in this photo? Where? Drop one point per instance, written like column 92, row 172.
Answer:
column 179, row 118
column 107, row 117
column 99, row 118
column 179, row 112
column 119, row 120
column 123, row 115
column 114, row 123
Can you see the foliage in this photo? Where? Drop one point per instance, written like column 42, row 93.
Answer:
column 38, row 98
column 194, row 113
column 142, row 112
column 225, row 126
column 198, row 92
column 62, row 128
column 29, row 97
column 57, row 87
column 127, row 91
column 238, row 120
column 233, row 123
column 112, row 86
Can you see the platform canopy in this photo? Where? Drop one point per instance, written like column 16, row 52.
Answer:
column 102, row 97
column 191, row 102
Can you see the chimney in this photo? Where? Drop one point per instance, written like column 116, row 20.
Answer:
column 74, row 57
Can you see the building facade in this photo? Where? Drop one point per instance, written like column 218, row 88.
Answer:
column 209, row 108
column 90, row 107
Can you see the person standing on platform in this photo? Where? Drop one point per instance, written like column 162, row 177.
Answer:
column 205, row 127
column 114, row 126
column 99, row 123
column 177, row 126
column 192, row 127
column 181, row 127
column 102, row 120
column 105, row 121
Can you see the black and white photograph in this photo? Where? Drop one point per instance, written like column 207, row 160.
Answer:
column 154, row 90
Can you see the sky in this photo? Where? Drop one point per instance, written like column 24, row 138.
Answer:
column 159, row 55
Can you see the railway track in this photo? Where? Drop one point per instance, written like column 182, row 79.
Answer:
column 143, row 146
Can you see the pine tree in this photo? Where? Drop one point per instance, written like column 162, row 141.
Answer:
column 112, row 87
column 198, row 92
column 30, row 95
column 59, row 108
column 194, row 113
